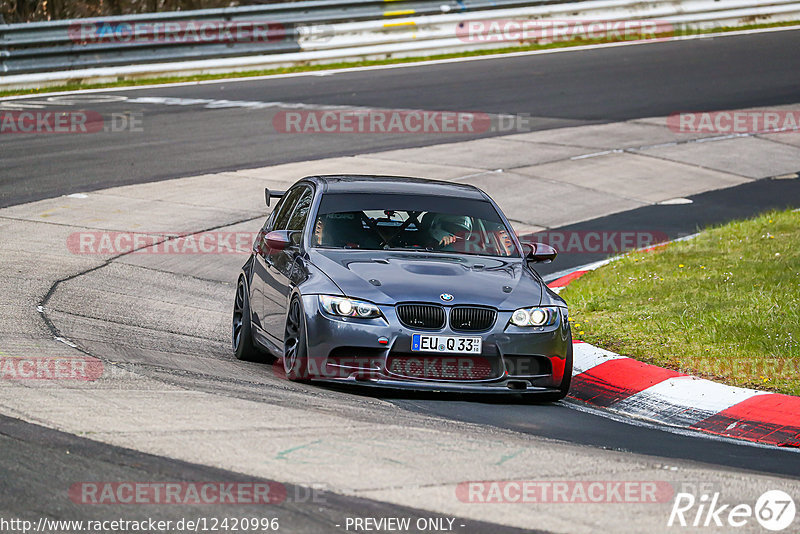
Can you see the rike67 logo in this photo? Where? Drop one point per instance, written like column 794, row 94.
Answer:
column 774, row 510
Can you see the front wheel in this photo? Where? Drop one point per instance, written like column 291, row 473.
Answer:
column 295, row 348
column 242, row 333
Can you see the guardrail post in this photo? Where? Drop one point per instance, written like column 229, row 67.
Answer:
column 3, row 47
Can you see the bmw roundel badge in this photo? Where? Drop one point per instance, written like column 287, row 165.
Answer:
column 447, row 297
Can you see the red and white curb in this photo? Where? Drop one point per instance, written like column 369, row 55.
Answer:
column 635, row 389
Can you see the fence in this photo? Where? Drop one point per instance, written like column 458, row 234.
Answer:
column 274, row 35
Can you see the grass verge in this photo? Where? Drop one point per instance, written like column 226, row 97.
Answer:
column 724, row 306
column 368, row 63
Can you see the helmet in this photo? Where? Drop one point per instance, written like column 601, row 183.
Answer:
column 449, row 224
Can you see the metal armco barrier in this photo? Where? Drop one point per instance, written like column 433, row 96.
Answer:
column 58, row 45
column 270, row 36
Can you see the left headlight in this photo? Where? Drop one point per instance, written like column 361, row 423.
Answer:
column 540, row 316
column 345, row 307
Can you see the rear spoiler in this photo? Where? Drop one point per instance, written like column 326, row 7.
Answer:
column 272, row 194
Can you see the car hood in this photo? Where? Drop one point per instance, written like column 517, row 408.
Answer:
column 388, row 277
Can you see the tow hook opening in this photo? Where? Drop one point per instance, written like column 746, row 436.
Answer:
column 517, row 384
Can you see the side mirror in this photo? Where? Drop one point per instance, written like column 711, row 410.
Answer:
column 539, row 252
column 279, row 240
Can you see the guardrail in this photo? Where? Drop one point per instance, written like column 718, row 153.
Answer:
column 269, row 36
column 68, row 44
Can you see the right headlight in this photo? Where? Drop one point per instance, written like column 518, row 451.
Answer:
column 539, row 316
column 345, row 307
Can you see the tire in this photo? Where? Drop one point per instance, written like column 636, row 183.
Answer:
column 563, row 388
column 241, row 331
column 295, row 348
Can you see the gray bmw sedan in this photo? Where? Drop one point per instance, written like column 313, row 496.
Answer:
column 404, row 283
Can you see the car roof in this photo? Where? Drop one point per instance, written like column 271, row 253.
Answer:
column 356, row 183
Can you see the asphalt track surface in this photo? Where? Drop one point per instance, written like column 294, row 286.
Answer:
column 565, row 88
column 28, row 493
column 556, row 90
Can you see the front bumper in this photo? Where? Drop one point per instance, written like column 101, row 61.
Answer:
column 514, row 360
column 507, row 387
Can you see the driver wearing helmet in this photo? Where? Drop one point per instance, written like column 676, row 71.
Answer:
column 447, row 228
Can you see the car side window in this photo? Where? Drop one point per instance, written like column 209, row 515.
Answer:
column 300, row 214
column 284, row 209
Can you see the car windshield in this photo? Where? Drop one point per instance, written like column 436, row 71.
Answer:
column 411, row 222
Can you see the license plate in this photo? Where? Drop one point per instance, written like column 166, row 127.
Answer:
column 465, row 345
